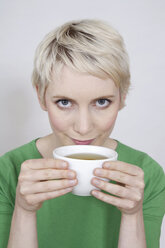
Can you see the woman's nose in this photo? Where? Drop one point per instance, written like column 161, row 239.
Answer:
column 83, row 123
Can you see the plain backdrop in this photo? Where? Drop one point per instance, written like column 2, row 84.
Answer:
column 141, row 23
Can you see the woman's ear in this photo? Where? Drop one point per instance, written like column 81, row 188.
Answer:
column 122, row 101
column 42, row 104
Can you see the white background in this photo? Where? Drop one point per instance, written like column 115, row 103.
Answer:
column 142, row 24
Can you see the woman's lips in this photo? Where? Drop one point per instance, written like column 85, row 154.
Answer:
column 84, row 142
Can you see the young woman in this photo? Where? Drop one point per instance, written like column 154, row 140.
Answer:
column 81, row 75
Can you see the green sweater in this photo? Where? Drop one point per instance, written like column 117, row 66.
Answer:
column 72, row 221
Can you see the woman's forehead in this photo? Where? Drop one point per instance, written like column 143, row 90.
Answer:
column 70, row 80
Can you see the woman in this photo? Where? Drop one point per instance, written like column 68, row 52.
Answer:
column 81, row 75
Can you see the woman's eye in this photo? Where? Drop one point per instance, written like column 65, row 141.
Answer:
column 63, row 103
column 103, row 103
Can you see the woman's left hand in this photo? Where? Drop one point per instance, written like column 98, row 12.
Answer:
column 129, row 190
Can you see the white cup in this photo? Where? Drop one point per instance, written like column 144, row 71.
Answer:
column 84, row 168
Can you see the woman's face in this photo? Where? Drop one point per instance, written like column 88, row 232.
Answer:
column 82, row 109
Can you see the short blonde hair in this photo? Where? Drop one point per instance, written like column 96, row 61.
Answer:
column 88, row 46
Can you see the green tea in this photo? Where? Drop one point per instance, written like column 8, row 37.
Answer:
column 87, row 156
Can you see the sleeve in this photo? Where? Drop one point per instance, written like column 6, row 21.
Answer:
column 6, row 212
column 154, row 202
column 7, row 198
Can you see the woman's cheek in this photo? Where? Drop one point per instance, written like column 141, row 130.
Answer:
column 110, row 122
column 57, row 122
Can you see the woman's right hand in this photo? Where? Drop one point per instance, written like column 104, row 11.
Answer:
column 43, row 179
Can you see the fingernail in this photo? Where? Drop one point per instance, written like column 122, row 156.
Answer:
column 64, row 165
column 95, row 193
column 68, row 189
column 96, row 182
column 72, row 182
column 71, row 174
column 98, row 172
column 106, row 165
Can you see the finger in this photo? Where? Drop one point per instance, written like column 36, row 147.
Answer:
column 117, row 190
column 37, row 164
column 118, row 202
column 120, row 177
column 46, row 174
column 46, row 186
column 41, row 197
column 124, row 167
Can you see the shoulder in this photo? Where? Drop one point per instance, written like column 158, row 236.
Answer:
column 154, row 175
column 128, row 153
column 14, row 158
column 137, row 157
column 153, row 171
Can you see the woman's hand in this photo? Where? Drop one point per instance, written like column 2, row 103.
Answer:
column 129, row 190
column 43, row 179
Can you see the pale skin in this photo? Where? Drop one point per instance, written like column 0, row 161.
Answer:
column 89, row 113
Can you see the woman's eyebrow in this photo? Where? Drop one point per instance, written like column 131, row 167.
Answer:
column 103, row 97
column 62, row 97
column 68, row 98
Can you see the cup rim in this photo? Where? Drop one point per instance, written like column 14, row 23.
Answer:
column 57, row 152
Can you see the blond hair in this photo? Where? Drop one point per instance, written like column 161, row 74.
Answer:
column 88, row 46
